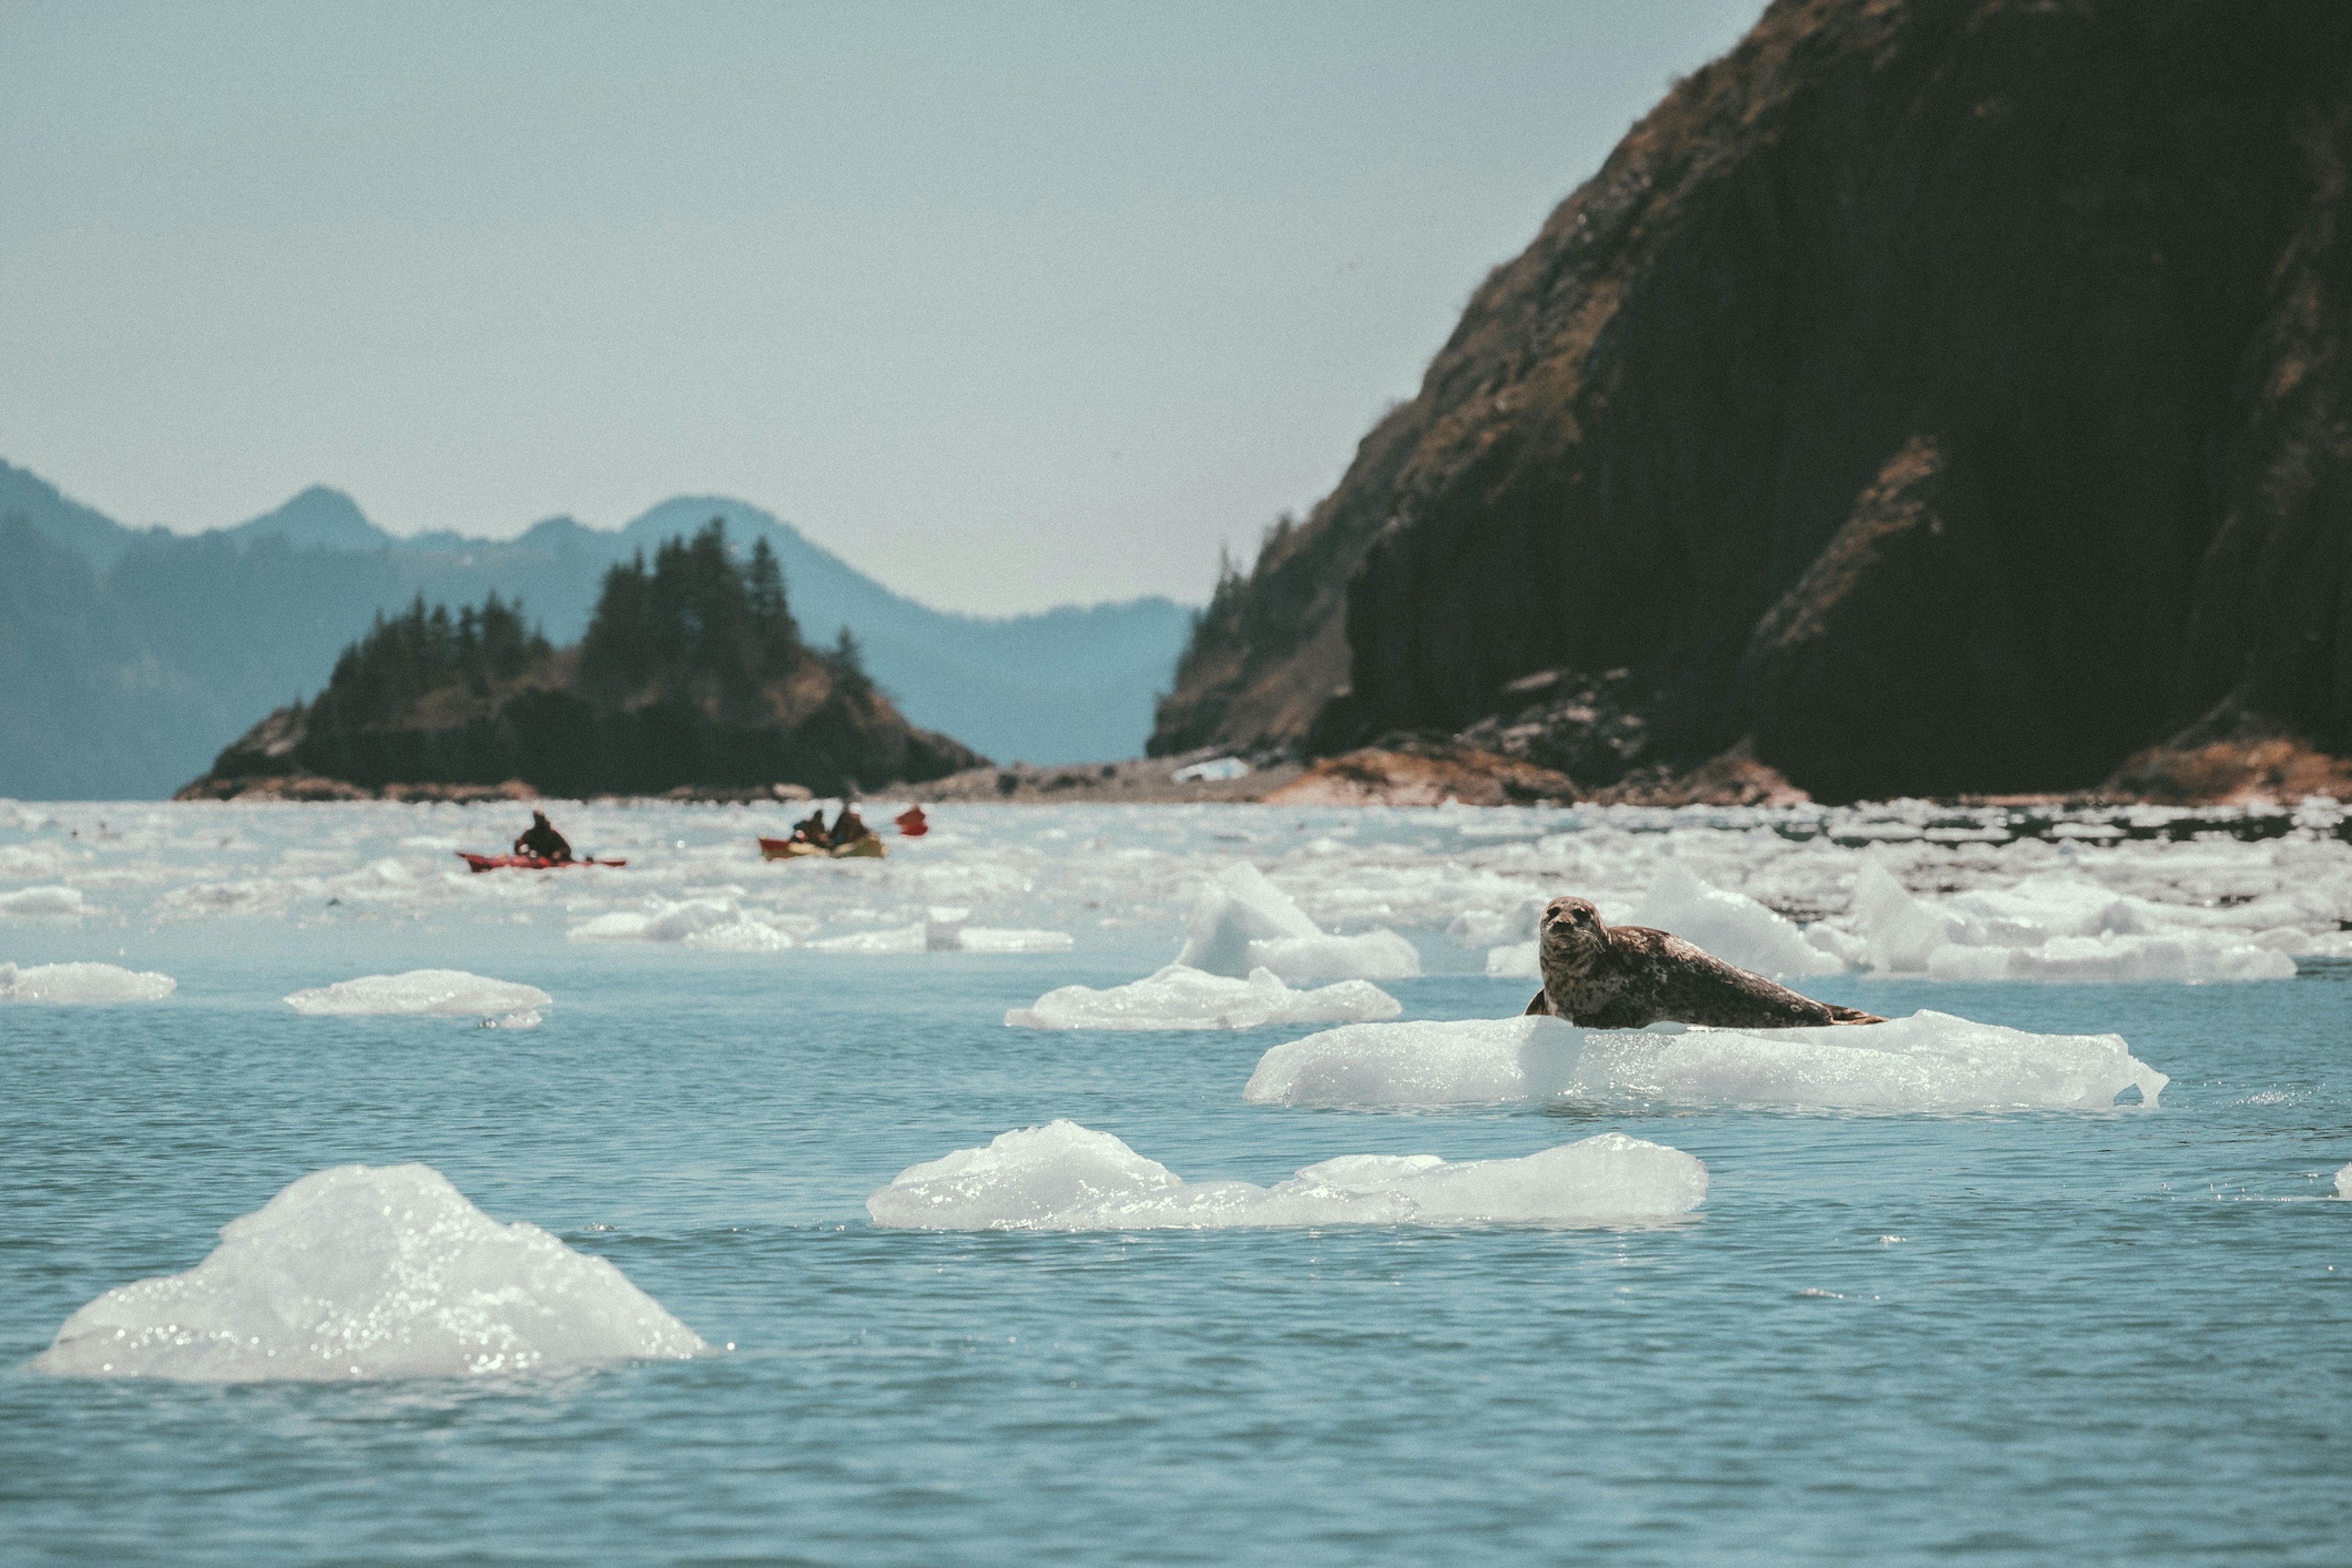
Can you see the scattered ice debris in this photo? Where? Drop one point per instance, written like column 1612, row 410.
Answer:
column 1179, row 997
column 81, row 983
column 720, row 923
column 1063, row 1177
column 944, row 930
column 44, row 903
column 437, row 993
column 527, row 1019
column 1930, row 1062
column 370, row 1272
column 24, row 861
column 2058, row 927
column 1240, row 921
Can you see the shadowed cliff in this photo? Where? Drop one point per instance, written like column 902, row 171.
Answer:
column 1924, row 398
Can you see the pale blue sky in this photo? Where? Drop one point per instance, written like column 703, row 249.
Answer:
column 1009, row 304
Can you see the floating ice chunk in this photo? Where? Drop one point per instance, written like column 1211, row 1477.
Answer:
column 81, row 983
column 1490, row 928
column 2191, row 957
column 370, row 1272
column 661, row 920
column 439, row 992
column 527, row 1019
column 897, row 939
column 1902, row 933
column 1008, row 939
column 1732, row 926
column 2344, row 1182
column 44, row 903
column 23, row 860
column 1241, row 923
column 1214, row 770
column 1517, row 961
column 1063, row 1177
column 1929, row 1061
column 744, row 935
column 1179, row 997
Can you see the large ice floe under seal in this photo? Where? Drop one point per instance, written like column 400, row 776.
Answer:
column 370, row 1272
column 434, row 992
column 81, row 983
column 1178, row 997
column 1063, row 1177
column 1927, row 1062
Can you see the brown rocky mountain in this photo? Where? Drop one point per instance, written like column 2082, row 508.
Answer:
column 1924, row 398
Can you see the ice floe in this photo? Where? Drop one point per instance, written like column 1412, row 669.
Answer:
column 370, row 1272
column 1241, row 923
column 1179, row 997
column 437, row 993
column 44, row 903
column 1927, row 1062
column 81, row 983
column 1063, row 1177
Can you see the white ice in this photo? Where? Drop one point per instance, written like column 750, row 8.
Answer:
column 370, row 1272
column 1178, row 997
column 1927, row 1062
column 2344, row 1182
column 439, row 992
column 1731, row 925
column 81, row 983
column 1241, row 922
column 1063, row 1177
column 44, row 903
column 943, row 930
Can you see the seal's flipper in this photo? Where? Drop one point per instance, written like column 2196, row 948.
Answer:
column 1539, row 1008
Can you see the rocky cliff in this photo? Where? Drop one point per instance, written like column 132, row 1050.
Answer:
column 1926, row 397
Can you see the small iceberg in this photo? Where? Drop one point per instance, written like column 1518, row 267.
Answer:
column 370, row 1272
column 81, row 983
column 44, row 903
column 944, row 930
column 1063, row 1177
column 1178, row 997
column 433, row 993
column 1927, row 1062
column 1240, row 921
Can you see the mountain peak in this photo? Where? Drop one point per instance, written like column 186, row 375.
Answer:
column 321, row 518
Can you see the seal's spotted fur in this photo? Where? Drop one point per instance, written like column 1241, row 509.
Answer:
column 1624, row 977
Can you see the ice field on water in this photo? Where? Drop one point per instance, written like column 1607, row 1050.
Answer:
column 1163, row 1185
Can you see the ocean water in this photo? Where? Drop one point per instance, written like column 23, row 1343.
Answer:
column 2113, row 1334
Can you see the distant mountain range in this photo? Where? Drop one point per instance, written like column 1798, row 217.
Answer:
column 130, row 656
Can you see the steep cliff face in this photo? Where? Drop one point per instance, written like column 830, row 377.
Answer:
column 1926, row 397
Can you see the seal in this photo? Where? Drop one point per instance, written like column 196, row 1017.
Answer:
column 1627, row 977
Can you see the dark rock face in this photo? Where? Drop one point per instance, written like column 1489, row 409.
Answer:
column 1931, row 397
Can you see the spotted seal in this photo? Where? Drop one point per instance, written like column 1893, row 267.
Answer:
column 1625, row 977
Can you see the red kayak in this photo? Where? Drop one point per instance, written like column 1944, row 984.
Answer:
column 525, row 862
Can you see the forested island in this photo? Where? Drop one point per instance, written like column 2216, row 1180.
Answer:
column 692, row 675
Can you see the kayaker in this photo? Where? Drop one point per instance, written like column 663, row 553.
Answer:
column 849, row 827
column 541, row 840
column 812, row 830
column 911, row 821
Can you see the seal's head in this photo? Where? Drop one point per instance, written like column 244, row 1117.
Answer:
column 538, row 819
column 1573, row 934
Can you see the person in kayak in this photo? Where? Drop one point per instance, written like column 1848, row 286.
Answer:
column 849, row 827
column 812, row 830
column 541, row 839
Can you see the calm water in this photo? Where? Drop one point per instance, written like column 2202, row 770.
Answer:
column 2121, row 1336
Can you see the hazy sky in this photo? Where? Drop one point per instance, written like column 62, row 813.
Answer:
column 1009, row 304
